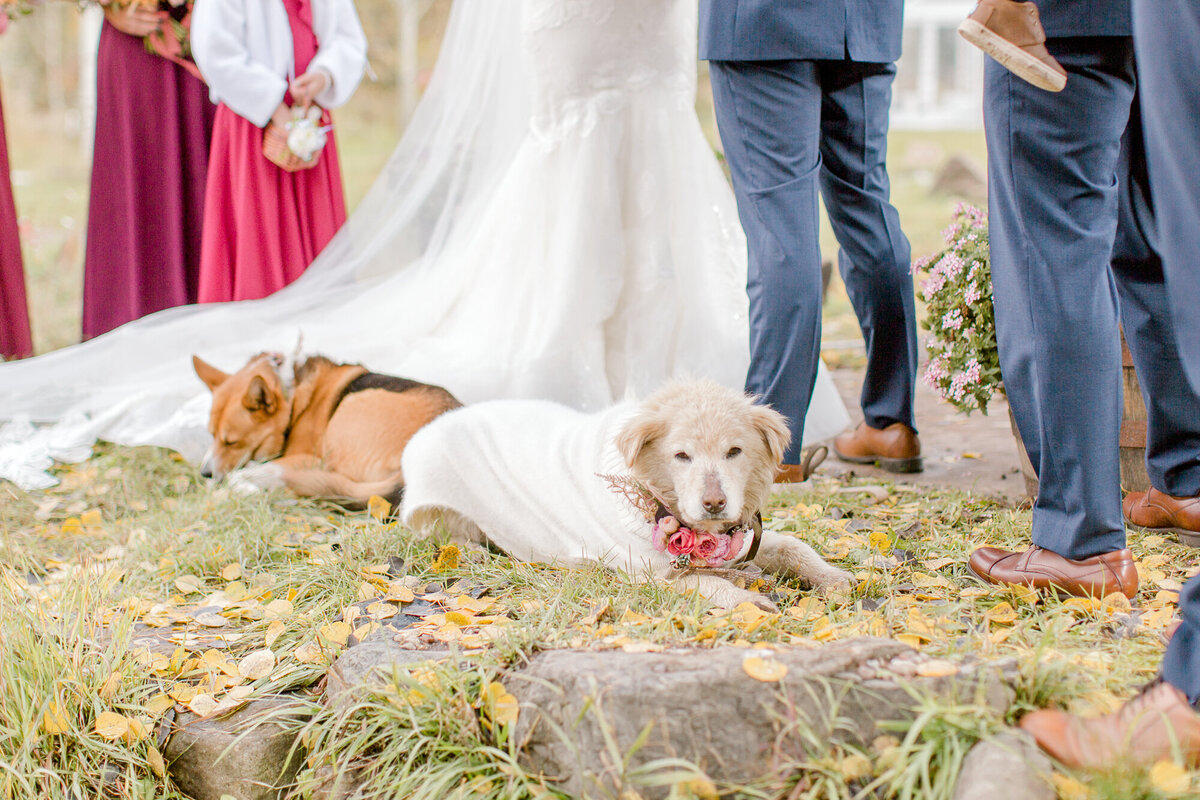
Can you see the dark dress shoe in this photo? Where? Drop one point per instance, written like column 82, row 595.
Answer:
column 810, row 459
column 1159, row 511
column 1039, row 568
column 895, row 448
column 1011, row 32
column 1142, row 732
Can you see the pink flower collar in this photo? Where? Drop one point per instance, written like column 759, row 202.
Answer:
column 693, row 549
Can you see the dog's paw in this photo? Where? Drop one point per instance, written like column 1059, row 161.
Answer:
column 255, row 478
column 833, row 580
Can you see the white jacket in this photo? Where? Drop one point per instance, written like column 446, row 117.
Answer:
column 244, row 51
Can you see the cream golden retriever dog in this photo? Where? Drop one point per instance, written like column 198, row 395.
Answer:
column 670, row 488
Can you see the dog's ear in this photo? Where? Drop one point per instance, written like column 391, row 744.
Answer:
column 774, row 429
column 639, row 432
column 259, row 396
column 211, row 376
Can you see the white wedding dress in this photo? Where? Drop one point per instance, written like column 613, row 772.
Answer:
column 552, row 225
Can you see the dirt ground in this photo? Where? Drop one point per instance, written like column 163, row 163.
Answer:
column 976, row 452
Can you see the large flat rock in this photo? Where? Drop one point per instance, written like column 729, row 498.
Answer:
column 584, row 713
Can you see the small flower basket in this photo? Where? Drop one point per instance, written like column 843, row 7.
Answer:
column 964, row 365
column 299, row 145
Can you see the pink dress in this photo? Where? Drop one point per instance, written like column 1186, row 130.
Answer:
column 15, row 341
column 263, row 225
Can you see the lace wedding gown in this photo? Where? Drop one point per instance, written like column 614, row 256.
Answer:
column 552, row 225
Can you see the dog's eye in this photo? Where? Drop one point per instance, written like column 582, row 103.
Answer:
column 734, row 452
column 682, row 456
column 228, row 442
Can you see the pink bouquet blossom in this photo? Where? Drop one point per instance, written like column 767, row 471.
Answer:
column 964, row 365
column 696, row 548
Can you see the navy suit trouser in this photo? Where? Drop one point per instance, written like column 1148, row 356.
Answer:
column 793, row 130
column 1167, row 35
column 1064, row 168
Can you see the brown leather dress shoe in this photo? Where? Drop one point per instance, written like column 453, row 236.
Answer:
column 810, row 459
column 1143, row 731
column 1039, row 568
column 1158, row 511
column 1011, row 32
column 895, row 448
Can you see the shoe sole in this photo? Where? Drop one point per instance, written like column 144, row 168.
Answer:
column 1186, row 537
column 1058, row 591
column 1013, row 58
column 900, row 465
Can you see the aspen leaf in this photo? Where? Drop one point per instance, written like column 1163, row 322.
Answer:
column 1068, row 788
column 111, row 726
column 273, row 632
column 854, row 767
column 336, row 633
column 1170, row 778
column 203, row 704
column 1116, row 602
column 278, row 608
column 155, row 760
column 137, row 731
column 367, row 591
column 878, row 540
column 1002, row 614
column 236, row 592
column 53, row 720
column 937, row 668
column 397, row 592
column 381, row 610
column 231, row 572
column 500, row 706
column 188, row 584
column 210, row 619
column 72, row 526
column 109, row 688
column 767, row 670
column 157, row 705
column 378, row 507
column 696, row 788
column 448, row 557
column 257, row 665
column 309, row 653
column 92, row 520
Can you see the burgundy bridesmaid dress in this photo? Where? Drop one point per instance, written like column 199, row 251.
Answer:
column 15, row 341
column 153, row 128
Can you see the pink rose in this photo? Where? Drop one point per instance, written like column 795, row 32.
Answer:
column 663, row 529
column 682, row 541
column 711, row 548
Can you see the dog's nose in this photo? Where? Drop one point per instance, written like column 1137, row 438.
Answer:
column 206, row 471
column 714, row 504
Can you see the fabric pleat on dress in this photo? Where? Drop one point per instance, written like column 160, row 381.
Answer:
column 153, row 128
column 265, row 225
column 15, row 339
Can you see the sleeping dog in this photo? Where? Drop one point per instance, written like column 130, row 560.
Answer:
column 670, row 488
column 327, row 430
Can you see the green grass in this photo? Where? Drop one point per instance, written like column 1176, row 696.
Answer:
column 134, row 537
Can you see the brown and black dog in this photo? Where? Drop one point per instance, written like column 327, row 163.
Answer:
column 330, row 430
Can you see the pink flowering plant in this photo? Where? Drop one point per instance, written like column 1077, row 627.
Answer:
column 964, row 365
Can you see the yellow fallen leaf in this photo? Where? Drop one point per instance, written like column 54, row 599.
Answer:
column 384, row 611
column 878, row 540
column 367, row 591
column 336, row 633
column 93, row 520
column 273, row 631
column 854, row 767
column 236, row 591
column 231, row 572
column 257, row 665
column 54, row 721
column 448, row 557
column 1002, row 614
column 696, row 789
column 767, row 670
column 1170, row 778
column 1068, row 788
column 457, row 618
column 397, row 592
column 378, row 507
column 111, row 726
column 154, row 758
column 203, row 704
column 499, row 706
column 72, row 526
column 363, row 631
column 157, row 705
column 109, row 688
column 278, row 608
column 1116, row 603
column 210, row 619
column 138, row 730
column 188, row 584
column 309, row 653
column 182, row 693
column 937, row 668
column 972, row 455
